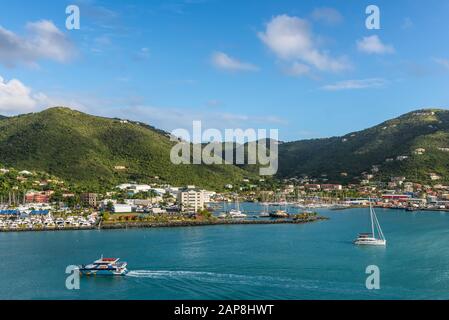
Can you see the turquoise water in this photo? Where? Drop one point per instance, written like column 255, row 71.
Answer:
column 309, row 261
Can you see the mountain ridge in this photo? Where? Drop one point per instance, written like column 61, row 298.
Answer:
column 103, row 151
column 100, row 151
column 357, row 152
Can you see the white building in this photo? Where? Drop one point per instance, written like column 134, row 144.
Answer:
column 191, row 199
column 122, row 208
column 434, row 176
column 208, row 195
column 134, row 188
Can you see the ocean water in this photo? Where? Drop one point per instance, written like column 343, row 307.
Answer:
column 308, row 261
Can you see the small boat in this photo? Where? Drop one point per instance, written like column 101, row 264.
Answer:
column 236, row 213
column 104, row 266
column 279, row 214
column 370, row 239
column 265, row 213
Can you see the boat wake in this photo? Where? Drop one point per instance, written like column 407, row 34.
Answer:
column 193, row 275
column 218, row 278
column 247, row 285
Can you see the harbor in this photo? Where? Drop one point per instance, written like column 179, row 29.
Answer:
column 287, row 261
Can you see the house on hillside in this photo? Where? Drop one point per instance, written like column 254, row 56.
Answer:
column 419, row 151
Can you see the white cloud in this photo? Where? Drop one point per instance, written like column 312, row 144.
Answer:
column 373, row 45
column 356, row 84
column 223, row 61
column 290, row 38
column 17, row 98
column 327, row 15
column 442, row 62
column 297, row 69
column 14, row 95
column 42, row 41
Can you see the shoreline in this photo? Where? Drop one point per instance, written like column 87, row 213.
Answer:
column 172, row 224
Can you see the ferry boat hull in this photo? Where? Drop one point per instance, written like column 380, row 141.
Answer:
column 104, row 267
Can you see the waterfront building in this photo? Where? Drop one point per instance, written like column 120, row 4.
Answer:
column 191, row 199
column 208, row 195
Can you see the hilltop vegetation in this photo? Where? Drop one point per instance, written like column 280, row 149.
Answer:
column 100, row 152
column 97, row 153
column 378, row 146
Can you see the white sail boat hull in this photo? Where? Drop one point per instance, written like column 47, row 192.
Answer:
column 370, row 242
column 370, row 239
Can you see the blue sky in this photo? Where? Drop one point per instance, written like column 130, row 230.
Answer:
column 309, row 68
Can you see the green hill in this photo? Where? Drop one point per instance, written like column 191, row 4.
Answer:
column 357, row 152
column 101, row 152
column 91, row 150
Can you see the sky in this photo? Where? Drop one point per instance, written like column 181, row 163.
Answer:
column 311, row 69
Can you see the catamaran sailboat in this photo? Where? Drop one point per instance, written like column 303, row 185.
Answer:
column 236, row 213
column 370, row 239
column 265, row 213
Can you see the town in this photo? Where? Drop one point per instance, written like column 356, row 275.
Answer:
column 37, row 201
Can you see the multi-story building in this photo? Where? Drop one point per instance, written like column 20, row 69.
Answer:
column 331, row 187
column 38, row 197
column 89, row 199
column 191, row 199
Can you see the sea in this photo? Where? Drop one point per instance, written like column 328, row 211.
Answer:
column 315, row 260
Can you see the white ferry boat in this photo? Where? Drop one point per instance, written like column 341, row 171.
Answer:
column 105, row 266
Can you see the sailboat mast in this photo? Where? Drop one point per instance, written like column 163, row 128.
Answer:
column 372, row 218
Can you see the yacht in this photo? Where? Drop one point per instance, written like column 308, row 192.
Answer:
column 376, row 237
column 279, row 214
column 236, row 213
column 104, row 266
column 265, row 213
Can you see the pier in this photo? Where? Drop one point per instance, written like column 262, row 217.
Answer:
column 171, row 224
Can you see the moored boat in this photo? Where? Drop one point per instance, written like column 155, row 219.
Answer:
column 279, row 214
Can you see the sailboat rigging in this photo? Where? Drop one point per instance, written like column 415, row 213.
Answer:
column 376, row 237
